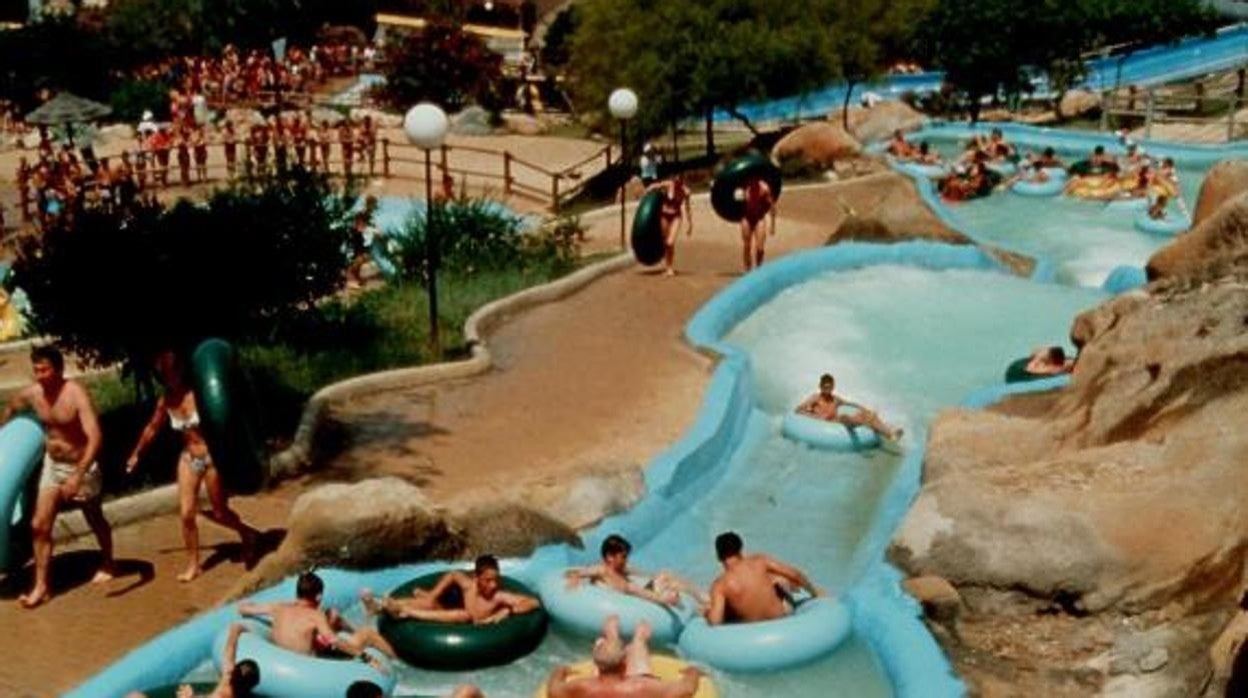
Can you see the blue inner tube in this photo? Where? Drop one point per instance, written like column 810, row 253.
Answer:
column 1005, row 168
column 585, row 608
column 830, row 436
column 816, row 628
column 21, row 454
column 1170, row 225
column 1051, row 187
column 286, row 673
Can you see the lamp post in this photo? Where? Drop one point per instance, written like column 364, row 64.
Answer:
column 623, row 106
column 426, row 126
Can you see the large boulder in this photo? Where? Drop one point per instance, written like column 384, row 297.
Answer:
column 816, row 145
column 473, row 121
column 1225, row 181
column 877, row 123
column 1220, row 239
column 1105, row 518
column 1076, row 103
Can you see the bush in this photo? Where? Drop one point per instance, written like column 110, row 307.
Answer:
column 244, row 266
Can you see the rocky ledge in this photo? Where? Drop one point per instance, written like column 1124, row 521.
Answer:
column 1095, row 537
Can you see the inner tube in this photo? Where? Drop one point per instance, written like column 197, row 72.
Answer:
column 1017, row 372
column 828, row 436
column 1123, row 279
column 1050, row 187
column 1005, row 168
column 1170, row 225
column 1084, row 168
column 228, row 417
column 662, row 667
column 21, row 454
column 1099, row 187
column 286, row 673
column 584, row 609
column 736, row 175
column 463, row 646
column 647, row 238
column 816, row 628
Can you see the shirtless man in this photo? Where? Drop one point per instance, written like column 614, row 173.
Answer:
column 760, row 203
column 623, row 671
column 752, row 587
column 676, row 208
column 614, row 573
column 1049, row 361
column 301, row 626
column 826, row 405
column 70, row 474
column 474, row 598
column 899, row 147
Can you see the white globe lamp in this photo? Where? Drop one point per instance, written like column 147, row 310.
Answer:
column 426, row 125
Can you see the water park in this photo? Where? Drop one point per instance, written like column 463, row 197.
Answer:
column 615, row 348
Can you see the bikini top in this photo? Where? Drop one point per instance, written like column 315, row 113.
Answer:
column 191, row 421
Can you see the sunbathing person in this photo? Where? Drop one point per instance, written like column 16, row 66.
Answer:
column 301, row 626
column 753, row 587
column 826, row 405
column 623, row 671
column 614, row 573
column 1049, row 361
column 457, row 598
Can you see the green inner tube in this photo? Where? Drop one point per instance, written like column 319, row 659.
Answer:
column 648, row 244
column 734, row 176
column 463, row 646
column 1083, row 168
column 226, row 412
column 1017, row 372
column 200, row 689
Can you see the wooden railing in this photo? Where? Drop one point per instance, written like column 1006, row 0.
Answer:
column 492, row 169
column 1201, row 103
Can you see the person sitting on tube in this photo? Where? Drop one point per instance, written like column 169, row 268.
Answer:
column 614, row 573
column 753, row 587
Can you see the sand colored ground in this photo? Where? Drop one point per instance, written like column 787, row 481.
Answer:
column 601, row 377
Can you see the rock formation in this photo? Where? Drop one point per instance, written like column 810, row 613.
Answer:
column 1096, row 534
column 816, row 145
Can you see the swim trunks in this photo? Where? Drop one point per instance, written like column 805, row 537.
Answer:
column 54, row 474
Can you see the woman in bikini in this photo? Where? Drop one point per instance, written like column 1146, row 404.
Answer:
column 676, row 206
column 195, row 464
column 760, row 203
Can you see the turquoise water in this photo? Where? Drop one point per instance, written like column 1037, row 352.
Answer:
column 906, row 341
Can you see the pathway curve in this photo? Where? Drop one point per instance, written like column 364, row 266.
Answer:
column 603, row 377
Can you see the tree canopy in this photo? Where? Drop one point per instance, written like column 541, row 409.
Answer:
column 443, row 64
column 990, row 47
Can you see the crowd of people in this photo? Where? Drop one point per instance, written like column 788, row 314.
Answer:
column 62, row 181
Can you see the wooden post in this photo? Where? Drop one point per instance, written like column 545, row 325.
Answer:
column 1230, row 118
column 385, row 158
column 507, row 172
column 444, row 165
column 1131, row 92
column 1200, row 97
column 1148, row 116
column 554, row 192
column 1106, row 103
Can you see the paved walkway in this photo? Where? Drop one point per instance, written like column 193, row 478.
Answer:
column 603, row 377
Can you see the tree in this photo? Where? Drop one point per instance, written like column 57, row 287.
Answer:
column 117, row 286
column 557, row 43
column 868, row 35
column 442, row 64
column 993, row 47
column 53, row 53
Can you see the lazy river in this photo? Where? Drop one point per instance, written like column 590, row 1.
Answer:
column 908, row 329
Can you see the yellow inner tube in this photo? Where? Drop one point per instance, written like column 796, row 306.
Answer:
column 1094, row 187
column 10, row 318
column 666, row 668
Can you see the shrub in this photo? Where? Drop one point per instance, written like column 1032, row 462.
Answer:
column 442, row 64
column 133, row 97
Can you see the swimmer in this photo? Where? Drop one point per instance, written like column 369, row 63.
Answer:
column 70, row 476
column 1157, row 209
column 826, row 405
column 997, row 147
column 676, row 208
column 613, row 572
column 926, row 156
column 1048, row 158
column 753, row 587
column 623, row 670
column 458, row 598
column 1049, row 361
column 760, row 203
column 899, row 147
column 302, row 627
column 1134, row 160
column 1100, row 160
column 238, row 679
column 196, row 466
